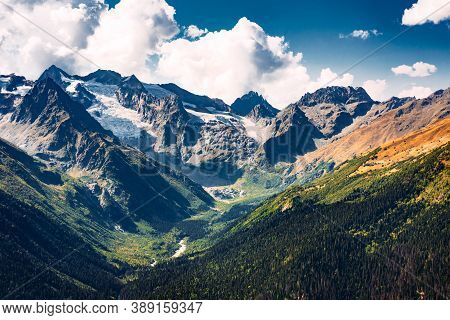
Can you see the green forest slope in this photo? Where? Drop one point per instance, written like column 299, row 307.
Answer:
column 351, row 234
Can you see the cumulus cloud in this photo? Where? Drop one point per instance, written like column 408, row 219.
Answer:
column 122, row 38
column 27, row 50
column 194, row 32
column 376, row 89
column 418, row 69
column 424, row 11
column 361, row 34
column 229, row 63
column 329, row 78
column 140, row 37
column 128, row 34
column 416, row 91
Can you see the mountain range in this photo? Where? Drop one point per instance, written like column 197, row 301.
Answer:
column 135, row 172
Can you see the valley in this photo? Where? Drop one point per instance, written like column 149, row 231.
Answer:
column 166, row 190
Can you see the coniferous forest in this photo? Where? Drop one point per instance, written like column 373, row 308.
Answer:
column 382, row 235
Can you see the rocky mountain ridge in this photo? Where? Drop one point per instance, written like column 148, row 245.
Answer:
column 208, row 140
column 49, row 124
column 332, row 109
column 387, row 121
column 254, row 103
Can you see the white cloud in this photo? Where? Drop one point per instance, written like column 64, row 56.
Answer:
column 416, row 91
column 361, row 34
column 376, row 89
column 139, row 37
column 418, row 69
column 424, row 11
column 194, row 32
column 229, row 63
column 26, row 50
column 375, row 32
column 128, row 34
column 120, row 39
column 329, row 78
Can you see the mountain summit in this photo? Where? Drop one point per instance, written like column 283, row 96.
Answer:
column 254, row 103
column 56, row 74
column 104, row 77
column 131, row 93
column 335, row 95
column 332, row 109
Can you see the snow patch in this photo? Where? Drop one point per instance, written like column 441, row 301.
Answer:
column 73, row 84
column 123, row 122
column 259, row 132
column 217, row 116
column 20, row 90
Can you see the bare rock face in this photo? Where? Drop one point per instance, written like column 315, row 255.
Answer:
column 169, row 120
column 332, row 109
column 292, row 134
column 335, row 95
column 132, row 94
column 199, row 103
column 83, row 96
column 254, row 105
column 262, row 111
column 7, row 101
column 217, row 145
column 49, row 124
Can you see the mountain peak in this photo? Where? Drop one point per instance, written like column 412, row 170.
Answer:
column 104, row 77
column 52, row 70
column 132, row 82
column 45, row 84
column 335, row 95
column 252, row 93
column 244, row 105
column 395, row 102
column 56, row 74
column 49, row 104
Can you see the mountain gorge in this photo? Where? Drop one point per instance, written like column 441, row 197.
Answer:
column 45, row 217
column 299, row 203
column 47, row 123
column 210, row 142
column 353, row 234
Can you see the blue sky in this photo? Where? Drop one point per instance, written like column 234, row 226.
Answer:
column 313, row 28
column 281, row 49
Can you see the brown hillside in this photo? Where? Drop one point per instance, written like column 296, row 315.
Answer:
column 408, row 118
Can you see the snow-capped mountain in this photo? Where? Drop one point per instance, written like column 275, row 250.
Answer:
column 14, row 84
column 206, row 139
column 48, row 124
column 197, row 134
